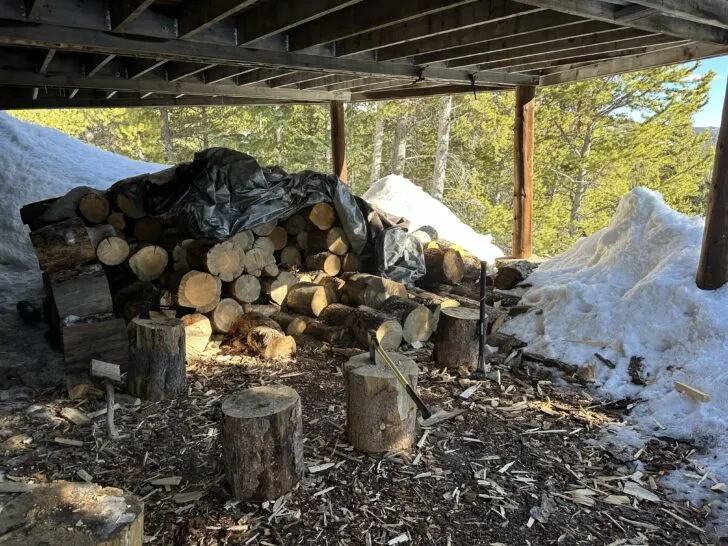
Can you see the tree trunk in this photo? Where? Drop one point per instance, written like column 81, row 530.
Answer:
column 377, row 148
column 456, row 339
column 262, row 438
column 157, row 362
column 166, row 133
column 399, row 147
column 443, row 144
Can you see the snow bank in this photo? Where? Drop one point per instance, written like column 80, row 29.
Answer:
column 631, row 288
column 38, row 163
column 399, row 196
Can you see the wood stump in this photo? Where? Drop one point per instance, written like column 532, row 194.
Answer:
column 262, row 438
column 73, row 514
column 157, row 362
column 418, row 322
column 387, row 328
column 379, row 413
column 456, row 339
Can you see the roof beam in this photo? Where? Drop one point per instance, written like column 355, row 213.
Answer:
column 47, row 58
column 124, row 12
column 459, row 18
column 178, row 71
column 221, row 73
column 593, row 9
column 418, row 92
column 32, row 9
column 538, row 38
column 198, row 16
column 269, row 18
column 632, row 13
column 47, row 36
column 144, row 85
column 136, row 68
column 364, row 17
column 708, row 12
column 505, row 28
column 99, row 64
column 628, row 64
column 295, row 78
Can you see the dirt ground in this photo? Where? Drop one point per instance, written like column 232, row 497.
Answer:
column 524, row 463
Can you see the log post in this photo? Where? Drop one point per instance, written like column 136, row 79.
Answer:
column 456, row 339
column 338, row 139
column 74, row 513
column 157, row 362
column 262, row 438
column 523, row 171
column 713, row 266
column 379, row 413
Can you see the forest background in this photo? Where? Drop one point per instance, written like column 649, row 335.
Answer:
column 594, row 141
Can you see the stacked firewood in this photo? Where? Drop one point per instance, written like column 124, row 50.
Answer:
column 103, row 258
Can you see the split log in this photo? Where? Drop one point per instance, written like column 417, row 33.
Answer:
column 130, row 206
column 291, row 256
column 256, row 260
column 265, row 244
column 94, row 207
column 245, row 289
column 148, row 263
column 199, row 290
column 322, row 216
column 456, row 339
column 112, row 251
column 243, row 239
column 148, row 229
column 261, row 230
column 157, row 359
column 351, row 262
column 327, row 262
column 332, row 240
column 279, row 237
column 63, row 245
column 512, row 273
column 336, row 314
column 81, row 291
column 277, row 289
column 443, row 266
column 309, row 299
column 380, row 416
column 417, row 320
column 117, row 220
column 262, row 438
column 225, row 315
column 295, row 224
column 264, row 336
column 198, row 331
column 65, row 513
column 388, row 330
column 314, row 328
column 302, row 240
column 223, row 259
column 105, row 370
column 369, row 290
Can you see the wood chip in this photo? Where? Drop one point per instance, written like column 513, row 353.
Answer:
column 470, row 391
column 634, row 490
column 67, row 441
column 719, row 487
column 692, row 392
column 85, row 476
column 75, row 416
column 320, row 467
column 681, row 520
column 617, row 500
column 399, row 539
column 189, row 496
column 170, row 480
column 439, row 417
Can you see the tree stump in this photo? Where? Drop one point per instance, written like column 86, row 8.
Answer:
column 456, row 339
column 418, row 322
column 262, row 438
column 379, row 413
column 73, row 514
column 157, row 363
column 388, row 329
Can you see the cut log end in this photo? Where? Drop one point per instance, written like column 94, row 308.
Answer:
column 456, row 339
column 226, row 260
column 112, row 251
column 199, row 290
column 325, row 261
column 226, row 315
column 94, row 207
column 322, row 216
column 149, row 262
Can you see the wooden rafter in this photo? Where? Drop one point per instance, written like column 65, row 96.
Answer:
column 198, row 16
column 124, row 12
column 709, row 12
column 179, row 70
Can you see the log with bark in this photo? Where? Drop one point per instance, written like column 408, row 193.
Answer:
column 291, row 257
column 456, row 339
column 309, row 299
column 223, row 259
column 322, row 215
column 295, row 224
column 278, row 237
column 351, row 262
column 157, row 368
column 225, row 315
column 443, row 266
column 388, row 329
column 264, row 336
column 94, row 207
column 325, row 261
column 332, row 240
column 511, row 273
column 417, row 320
column 336, row 314
column 276, row 289
column 300, row 324
column 262, row 439
column 199, row 290
column 63, row 245
column 369, row 290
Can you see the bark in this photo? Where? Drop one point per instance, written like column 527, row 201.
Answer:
column 399, row 147
column 443, row 144
column 166, row 132
column 157, row 369
column 377, row 150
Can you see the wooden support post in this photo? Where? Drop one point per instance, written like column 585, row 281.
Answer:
column 713, row 266
column 338, row 140
column 523, row 171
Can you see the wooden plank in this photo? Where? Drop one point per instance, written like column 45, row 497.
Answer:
column 218, row 74
column 124, row 12
column 338, row 140
column 47, row 59
column 410, row 92
column 458, row 18
column 602, row 11
column 709, row 12
column 198, row 16
column 523, row 172
column 713, row 266
column 364, row 17
column 180, row 70
column 269, row 18
column 629, row 64
column 92, row 41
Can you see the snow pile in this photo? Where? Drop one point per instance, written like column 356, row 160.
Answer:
column 629, row 290
column 399, row 196
column 38, row 163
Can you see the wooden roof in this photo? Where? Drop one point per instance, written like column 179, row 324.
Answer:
column 106, row 53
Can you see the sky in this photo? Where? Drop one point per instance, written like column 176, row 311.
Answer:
column 710, row 115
